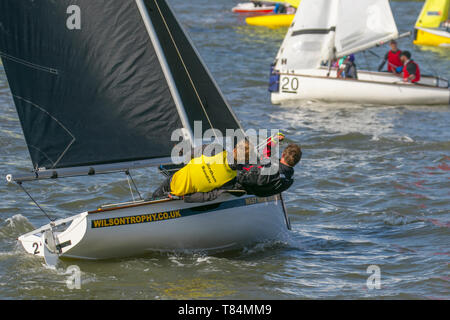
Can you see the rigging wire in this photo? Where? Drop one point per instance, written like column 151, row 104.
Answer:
column 35, row 202
column 130, row 177
column 131, row 190
column 429, row 65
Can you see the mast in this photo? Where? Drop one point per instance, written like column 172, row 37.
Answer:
column 166, row 70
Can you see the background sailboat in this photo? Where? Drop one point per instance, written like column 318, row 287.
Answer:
column 276, row 20
column 105, row 98
column 324, row 31
column 430, row 27
column 254, row 7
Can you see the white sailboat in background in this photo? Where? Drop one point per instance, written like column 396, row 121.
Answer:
column 325, row 30
column 254, row 7
column 106, row 98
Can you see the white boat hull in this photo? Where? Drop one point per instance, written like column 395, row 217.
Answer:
column 224, row 224
column 371, row 87
column 250, row 7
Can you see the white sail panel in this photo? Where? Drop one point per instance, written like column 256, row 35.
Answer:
column 310, row 38
column 363, row 24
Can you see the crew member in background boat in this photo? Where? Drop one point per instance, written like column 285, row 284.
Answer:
column 254, row 181
column 392, row 57
column 285, row 9
column 206, row 172
column 279, row 8
column 257, row 3
column 347, row 68
column 291, row 10
column 411, row 70
column 445, row 25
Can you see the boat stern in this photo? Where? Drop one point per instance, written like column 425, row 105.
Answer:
column 65, row 237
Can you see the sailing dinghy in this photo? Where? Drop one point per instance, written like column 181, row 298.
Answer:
column 254, row 7
column 105, row 97
column 326, row 30
column 276, row 20
column 272, row 20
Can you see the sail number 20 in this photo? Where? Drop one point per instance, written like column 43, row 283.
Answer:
column 289, row 84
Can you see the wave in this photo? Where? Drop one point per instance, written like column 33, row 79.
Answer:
column 15, row 226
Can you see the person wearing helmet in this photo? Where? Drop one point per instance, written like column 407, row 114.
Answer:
column 347, row 68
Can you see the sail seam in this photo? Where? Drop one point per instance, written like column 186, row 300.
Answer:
column 313, row 31
column 58, row 122
column 29, row 64
column 184, row 65
column 49, row 159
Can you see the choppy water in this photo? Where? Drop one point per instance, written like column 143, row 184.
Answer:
column 373, row 189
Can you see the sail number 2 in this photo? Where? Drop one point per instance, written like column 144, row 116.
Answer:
column 36, row 248
column 289, row 84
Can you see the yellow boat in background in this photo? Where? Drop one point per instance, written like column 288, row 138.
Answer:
column 429, row 30
column 275, row 20
column 271, row 20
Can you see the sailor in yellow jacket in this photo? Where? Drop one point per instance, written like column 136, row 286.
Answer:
column 205, row 173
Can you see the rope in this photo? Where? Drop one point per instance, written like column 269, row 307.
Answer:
column 436, row 74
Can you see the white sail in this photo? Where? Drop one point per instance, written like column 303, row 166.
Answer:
column 323, row 30
column 363, row 24
column 309, row 37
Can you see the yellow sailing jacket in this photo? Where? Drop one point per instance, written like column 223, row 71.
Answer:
column 202, row 174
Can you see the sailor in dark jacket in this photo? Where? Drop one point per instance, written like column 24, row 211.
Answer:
column 254, row 180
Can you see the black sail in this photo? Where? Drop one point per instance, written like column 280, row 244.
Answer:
column 201, row 97
column 99, row 94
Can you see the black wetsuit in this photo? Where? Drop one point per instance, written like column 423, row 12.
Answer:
column 351, row 70
column 255, row 182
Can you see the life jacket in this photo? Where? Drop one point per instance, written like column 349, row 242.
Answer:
column 406, row 73
column 248, row 168
column 394, row 60
column 267, row 152
column 202, row 174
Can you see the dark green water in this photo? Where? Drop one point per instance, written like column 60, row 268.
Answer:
column 372, row 189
